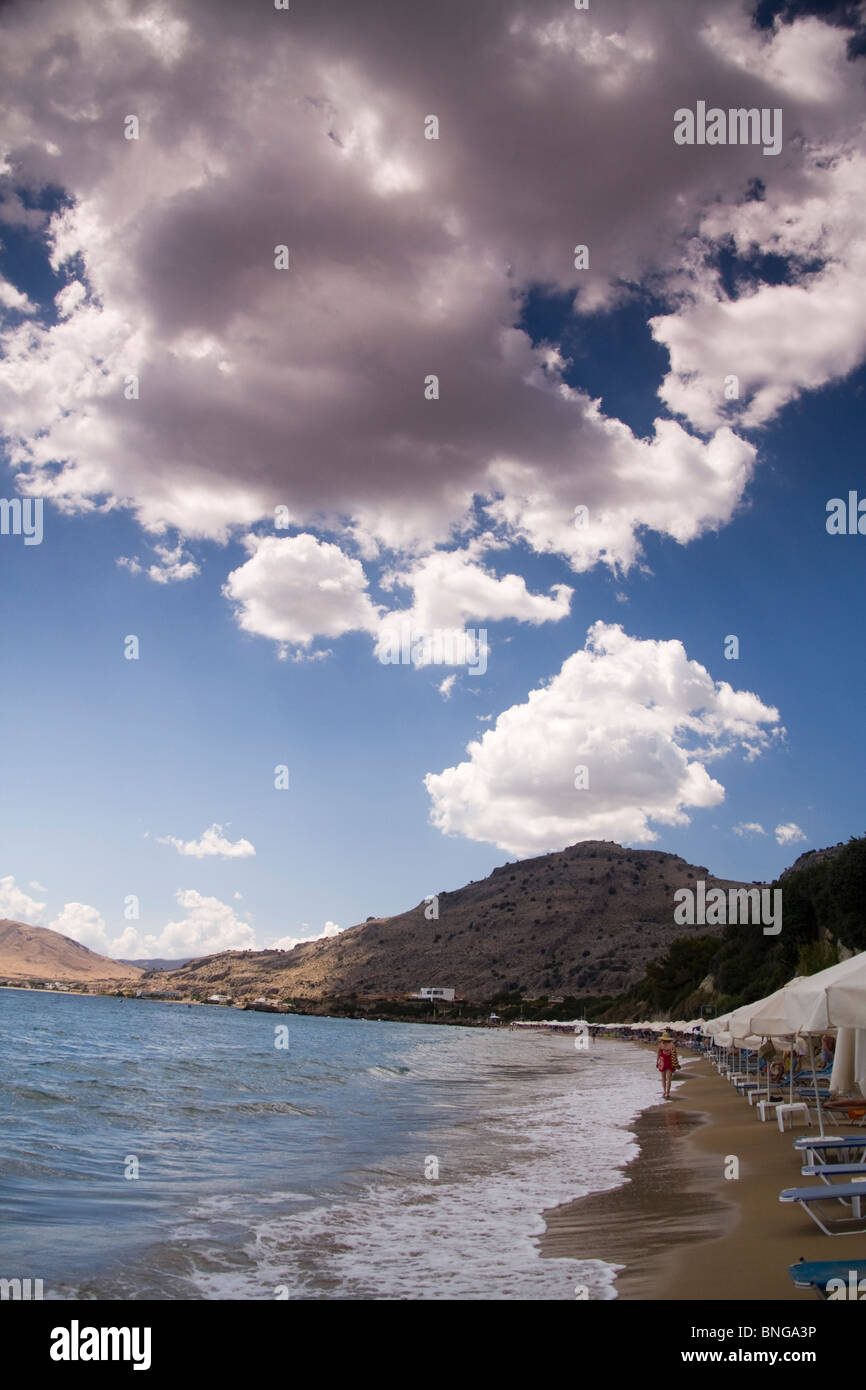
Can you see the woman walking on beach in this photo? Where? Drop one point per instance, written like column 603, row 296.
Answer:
column 667, row 1062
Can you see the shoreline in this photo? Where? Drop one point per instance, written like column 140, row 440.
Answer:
column 681, row 1229
column 447, row 1022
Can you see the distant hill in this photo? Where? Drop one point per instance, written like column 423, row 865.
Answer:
column 586, row 920
column 811, row 857
column 38, row 953
column 158, row 963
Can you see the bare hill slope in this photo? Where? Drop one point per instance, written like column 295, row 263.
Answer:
column 583, row 921
column 38, row 953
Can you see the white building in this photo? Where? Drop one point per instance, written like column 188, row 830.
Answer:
column 433, row 992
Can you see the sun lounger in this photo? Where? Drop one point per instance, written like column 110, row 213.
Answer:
column 849, row 1192
column 854, row 1107
column 833, row 1148
column 828, row 1171
column 816, row 1274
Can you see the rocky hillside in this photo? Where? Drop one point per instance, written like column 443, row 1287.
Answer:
column 37, row 953
column 587, row 920
column 812, row 857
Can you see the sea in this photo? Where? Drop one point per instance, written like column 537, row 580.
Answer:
column 159, row 1151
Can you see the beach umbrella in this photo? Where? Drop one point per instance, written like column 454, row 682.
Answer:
column 717, row 1025
column 777, row 1014
column 849, row 1061
column 833, row 998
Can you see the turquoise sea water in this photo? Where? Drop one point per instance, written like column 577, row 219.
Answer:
column 306, row 1172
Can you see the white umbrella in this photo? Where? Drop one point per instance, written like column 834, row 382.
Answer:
column 834, row 998
column 717, row 1025
column 849, row 1061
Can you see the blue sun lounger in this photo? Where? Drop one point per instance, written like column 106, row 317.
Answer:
column 822, row 1150
column 816, row 1274
column 845, row 1192
column 828, row 1171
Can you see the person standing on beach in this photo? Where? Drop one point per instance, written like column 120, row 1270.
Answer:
column 667, row 1062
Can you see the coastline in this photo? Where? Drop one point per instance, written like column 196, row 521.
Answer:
column 680, row 1228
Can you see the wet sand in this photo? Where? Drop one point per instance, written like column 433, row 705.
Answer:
column 682, row 1229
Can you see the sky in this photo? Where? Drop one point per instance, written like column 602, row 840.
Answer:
column 416, row 457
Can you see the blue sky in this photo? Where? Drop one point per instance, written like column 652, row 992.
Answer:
column 106, row 757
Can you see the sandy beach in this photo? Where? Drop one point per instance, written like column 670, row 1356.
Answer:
column 681, row 1229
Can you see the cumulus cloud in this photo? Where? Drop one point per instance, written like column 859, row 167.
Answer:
column 86, row 925
column 446, row 686
column 288, row 943
column 409, row 257
column 789, row 834
column 208, row 926
column 17, row 905
column 749, row 827
column 296, row 588
column 211, row 842
column 450, row 589
column 613, row 743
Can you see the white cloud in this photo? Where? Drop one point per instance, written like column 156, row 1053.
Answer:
column 296, row 588
column 211, row 842
column 209, row 926
column 86, row 925
column 17, row 905
column 789, row 834
column 82, row 923
column 36, row 886
column 641, row 718
column 173, row 565
column 450, row 588
column 749, row 827
column 287, row 943
column 12, row 298
column 446, row 686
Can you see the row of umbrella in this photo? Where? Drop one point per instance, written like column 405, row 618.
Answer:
column 831, row 1001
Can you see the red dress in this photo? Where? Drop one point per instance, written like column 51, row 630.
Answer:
column 665, row 1060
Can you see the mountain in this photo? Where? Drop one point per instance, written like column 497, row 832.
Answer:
column 38, row 953
column 158, row 963
column 583, row 921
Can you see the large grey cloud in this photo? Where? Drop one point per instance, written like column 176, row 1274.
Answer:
column 408, row 257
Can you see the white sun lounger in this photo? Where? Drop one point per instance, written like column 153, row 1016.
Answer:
column 809, row 1197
